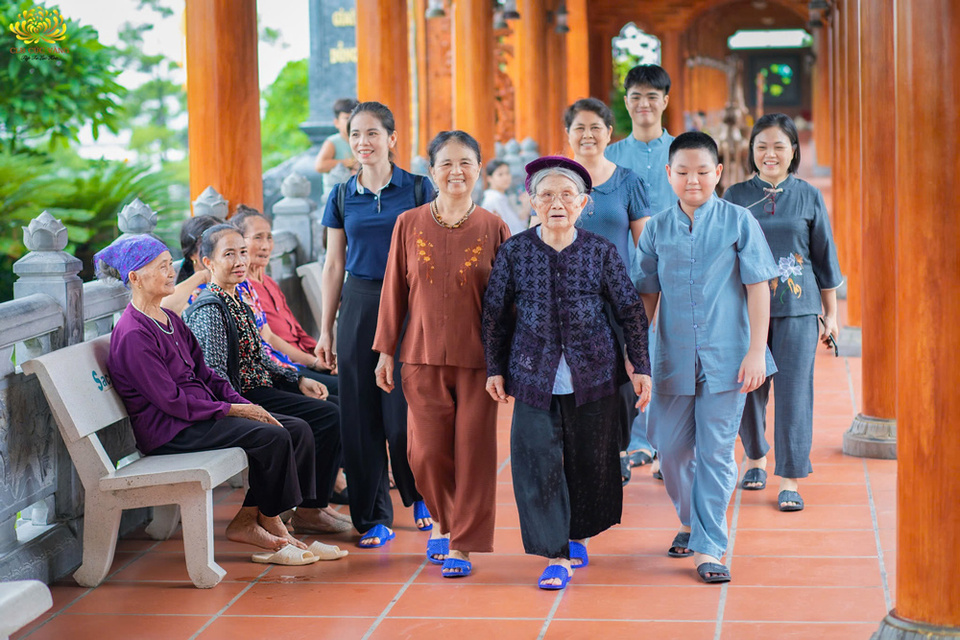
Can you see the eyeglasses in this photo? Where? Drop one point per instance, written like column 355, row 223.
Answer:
column 548, row 197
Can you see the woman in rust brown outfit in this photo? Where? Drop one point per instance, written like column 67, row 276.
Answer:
column 440, row 260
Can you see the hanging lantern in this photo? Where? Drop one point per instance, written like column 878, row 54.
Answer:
column 510, row 10
column 435, row 9
column 562, row 14
column 498, row 21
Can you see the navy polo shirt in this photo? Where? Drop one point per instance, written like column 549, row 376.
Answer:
column 369, row 219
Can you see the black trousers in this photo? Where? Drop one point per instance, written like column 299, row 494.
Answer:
column 566, row 472
column 281, row 459
column 324, row 421
column 369, row 417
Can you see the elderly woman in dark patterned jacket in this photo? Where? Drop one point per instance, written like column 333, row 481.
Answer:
column 548, row 343
column 227, row 332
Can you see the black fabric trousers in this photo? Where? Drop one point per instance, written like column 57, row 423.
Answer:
column 324, row 421
column 280, row 459
column 566, row 472
column 369, row 417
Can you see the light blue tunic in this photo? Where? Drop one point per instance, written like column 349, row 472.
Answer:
column 700, row 271
column 648, row 160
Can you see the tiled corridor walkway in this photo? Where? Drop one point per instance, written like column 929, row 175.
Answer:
column 825, row 573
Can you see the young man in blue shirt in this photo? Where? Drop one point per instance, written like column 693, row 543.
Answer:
column 706, row 262
column 644, row 151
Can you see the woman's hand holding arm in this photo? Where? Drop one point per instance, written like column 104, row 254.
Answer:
column 496, row 389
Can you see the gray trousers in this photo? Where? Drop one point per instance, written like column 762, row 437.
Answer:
column 793, row 343
column 695, row 436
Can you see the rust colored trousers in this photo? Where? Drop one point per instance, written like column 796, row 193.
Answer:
column 452, row 449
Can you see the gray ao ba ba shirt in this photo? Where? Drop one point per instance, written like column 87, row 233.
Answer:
column 798, row 232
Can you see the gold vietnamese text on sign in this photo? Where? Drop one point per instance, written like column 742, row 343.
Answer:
column 341, row 54
column 344, row 18
column 35, row 25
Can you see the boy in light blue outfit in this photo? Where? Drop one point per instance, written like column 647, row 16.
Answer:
column 706, row 262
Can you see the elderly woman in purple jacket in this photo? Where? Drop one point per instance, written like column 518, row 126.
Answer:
column 549, row 344
column 178, row 404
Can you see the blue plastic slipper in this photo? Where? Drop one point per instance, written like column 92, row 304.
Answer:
column 756, row 477
column 378, row 531
column 420, row 512
column 456, row 568
column 554, row 572
column 437, row 547
column 578, row 552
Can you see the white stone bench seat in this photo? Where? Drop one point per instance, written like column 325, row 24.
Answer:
column 179, row 487
column 21, row 602
column 209, row 468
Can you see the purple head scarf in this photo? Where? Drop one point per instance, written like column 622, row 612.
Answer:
column 128, row 254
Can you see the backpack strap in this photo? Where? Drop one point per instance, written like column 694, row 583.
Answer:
column 418, row 189
column 341, row 201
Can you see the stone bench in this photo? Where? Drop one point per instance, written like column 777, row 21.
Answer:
column 83, row 402
column 21, row 602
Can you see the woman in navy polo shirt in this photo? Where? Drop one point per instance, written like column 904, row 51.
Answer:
column 360, row 224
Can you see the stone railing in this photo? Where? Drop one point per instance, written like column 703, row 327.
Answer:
column 41, row 499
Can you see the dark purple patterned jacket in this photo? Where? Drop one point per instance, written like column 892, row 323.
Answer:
column 540, row 303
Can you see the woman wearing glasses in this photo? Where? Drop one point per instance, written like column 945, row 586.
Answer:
column 548, row 343
column 794, row 220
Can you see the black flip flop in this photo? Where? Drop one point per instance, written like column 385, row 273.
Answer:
column 639, row 458
column 754, row 475
column 789, row 496
column 680, row 541
column 721, row 573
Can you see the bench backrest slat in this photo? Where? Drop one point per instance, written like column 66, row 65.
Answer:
column 78, row 389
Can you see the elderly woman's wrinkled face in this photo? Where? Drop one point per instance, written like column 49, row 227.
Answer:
column 156, row 278
column 228, row 264
column 259, row 238
column 558, row 202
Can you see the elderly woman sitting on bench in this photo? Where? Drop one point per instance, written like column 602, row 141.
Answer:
column 177, row 404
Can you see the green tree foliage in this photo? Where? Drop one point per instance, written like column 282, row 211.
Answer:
column 287, row 107
column 151, row 109
column 87, row 200
column 50, row 100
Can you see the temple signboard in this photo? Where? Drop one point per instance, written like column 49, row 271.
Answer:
column 333, row 62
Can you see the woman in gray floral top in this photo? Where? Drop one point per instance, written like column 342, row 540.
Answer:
column 231, row 345
column 794, row 220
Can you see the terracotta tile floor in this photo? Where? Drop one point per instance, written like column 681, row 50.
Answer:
column 823, row 573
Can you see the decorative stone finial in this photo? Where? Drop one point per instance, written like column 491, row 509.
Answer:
column 211, row 203
column 295, row 186
column 137, row 217
column 529, row 145
column 512, row 148
column 45, row 233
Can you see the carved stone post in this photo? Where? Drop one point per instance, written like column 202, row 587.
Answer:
column 137, row 218
column 211, row 203
column 295, row 213
column 49, row 269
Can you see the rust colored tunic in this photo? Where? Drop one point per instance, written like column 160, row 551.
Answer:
column 439, row 276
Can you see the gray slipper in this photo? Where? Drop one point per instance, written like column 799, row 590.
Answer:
column 680, row 541
column 721, row 573
column 754, row 476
